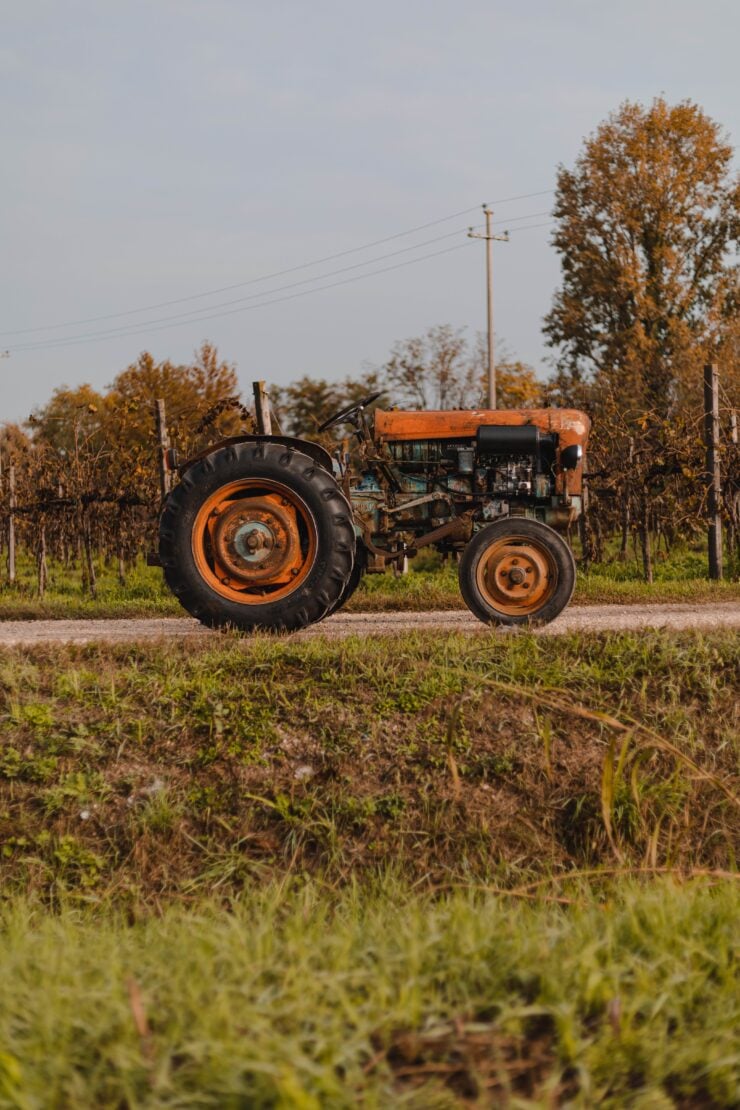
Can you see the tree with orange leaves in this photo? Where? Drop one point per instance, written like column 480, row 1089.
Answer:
column 646, row 225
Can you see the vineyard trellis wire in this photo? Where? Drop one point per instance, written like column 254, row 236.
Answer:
column 96, row 498
column 647, row 485
column 96, row 501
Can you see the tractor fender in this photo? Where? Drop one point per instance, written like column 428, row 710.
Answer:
column 314, row 450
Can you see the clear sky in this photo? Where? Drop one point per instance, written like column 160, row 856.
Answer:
column 156, row 150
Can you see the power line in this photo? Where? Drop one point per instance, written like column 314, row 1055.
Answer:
column 531, row 227
column 515, row 219
column 268, row 277
column 53, row 345
column 194, row 315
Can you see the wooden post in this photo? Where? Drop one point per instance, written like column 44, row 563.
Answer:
column 11, row 522
column 583, row 526
column 626, row 504
column 262, row 409
column 713, row 474
column 644, row 530
column 732, row 495
column 41, row 565
column 90, row 575
column 165, row 478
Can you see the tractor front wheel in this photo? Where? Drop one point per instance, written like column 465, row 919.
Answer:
column 517, row 571
column 257, row 536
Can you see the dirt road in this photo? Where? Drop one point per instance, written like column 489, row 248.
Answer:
column 592, row 618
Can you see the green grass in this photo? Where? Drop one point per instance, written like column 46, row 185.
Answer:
column 438, row 589
column 144, row 595
column 428, row 585
column 166, row 770
column 301, row 997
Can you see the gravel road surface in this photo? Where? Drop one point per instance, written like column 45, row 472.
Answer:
column 592, row 618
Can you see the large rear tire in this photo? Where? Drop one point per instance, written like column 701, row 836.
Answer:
column 257, row 536
column 517, row 571
column 358, row 573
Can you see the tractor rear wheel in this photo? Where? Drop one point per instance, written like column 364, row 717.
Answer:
column 358, row 573
column 515, row 571
column 257, row 536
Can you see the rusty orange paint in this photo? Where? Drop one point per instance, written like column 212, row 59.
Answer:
column 571, row 425
column 258, row 500
column 517, row 576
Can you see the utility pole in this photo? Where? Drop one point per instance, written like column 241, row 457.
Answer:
column 490, row 238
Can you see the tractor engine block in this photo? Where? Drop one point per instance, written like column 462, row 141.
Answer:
column 505, row 470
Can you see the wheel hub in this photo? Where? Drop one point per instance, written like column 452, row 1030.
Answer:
column 256, row 540
column 253, row 541
column 516, row 577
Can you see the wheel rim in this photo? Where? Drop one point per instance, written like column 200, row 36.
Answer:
column 517, row 575
column 254, row 541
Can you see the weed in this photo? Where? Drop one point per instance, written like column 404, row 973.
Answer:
column 75, row 864
column 160, row 813
column 80, row 789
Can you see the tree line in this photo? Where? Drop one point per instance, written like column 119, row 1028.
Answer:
column 647, row 226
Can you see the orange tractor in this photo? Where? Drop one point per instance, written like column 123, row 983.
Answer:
column 273, row 532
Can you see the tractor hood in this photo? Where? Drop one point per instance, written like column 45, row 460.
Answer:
column 570, row 425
